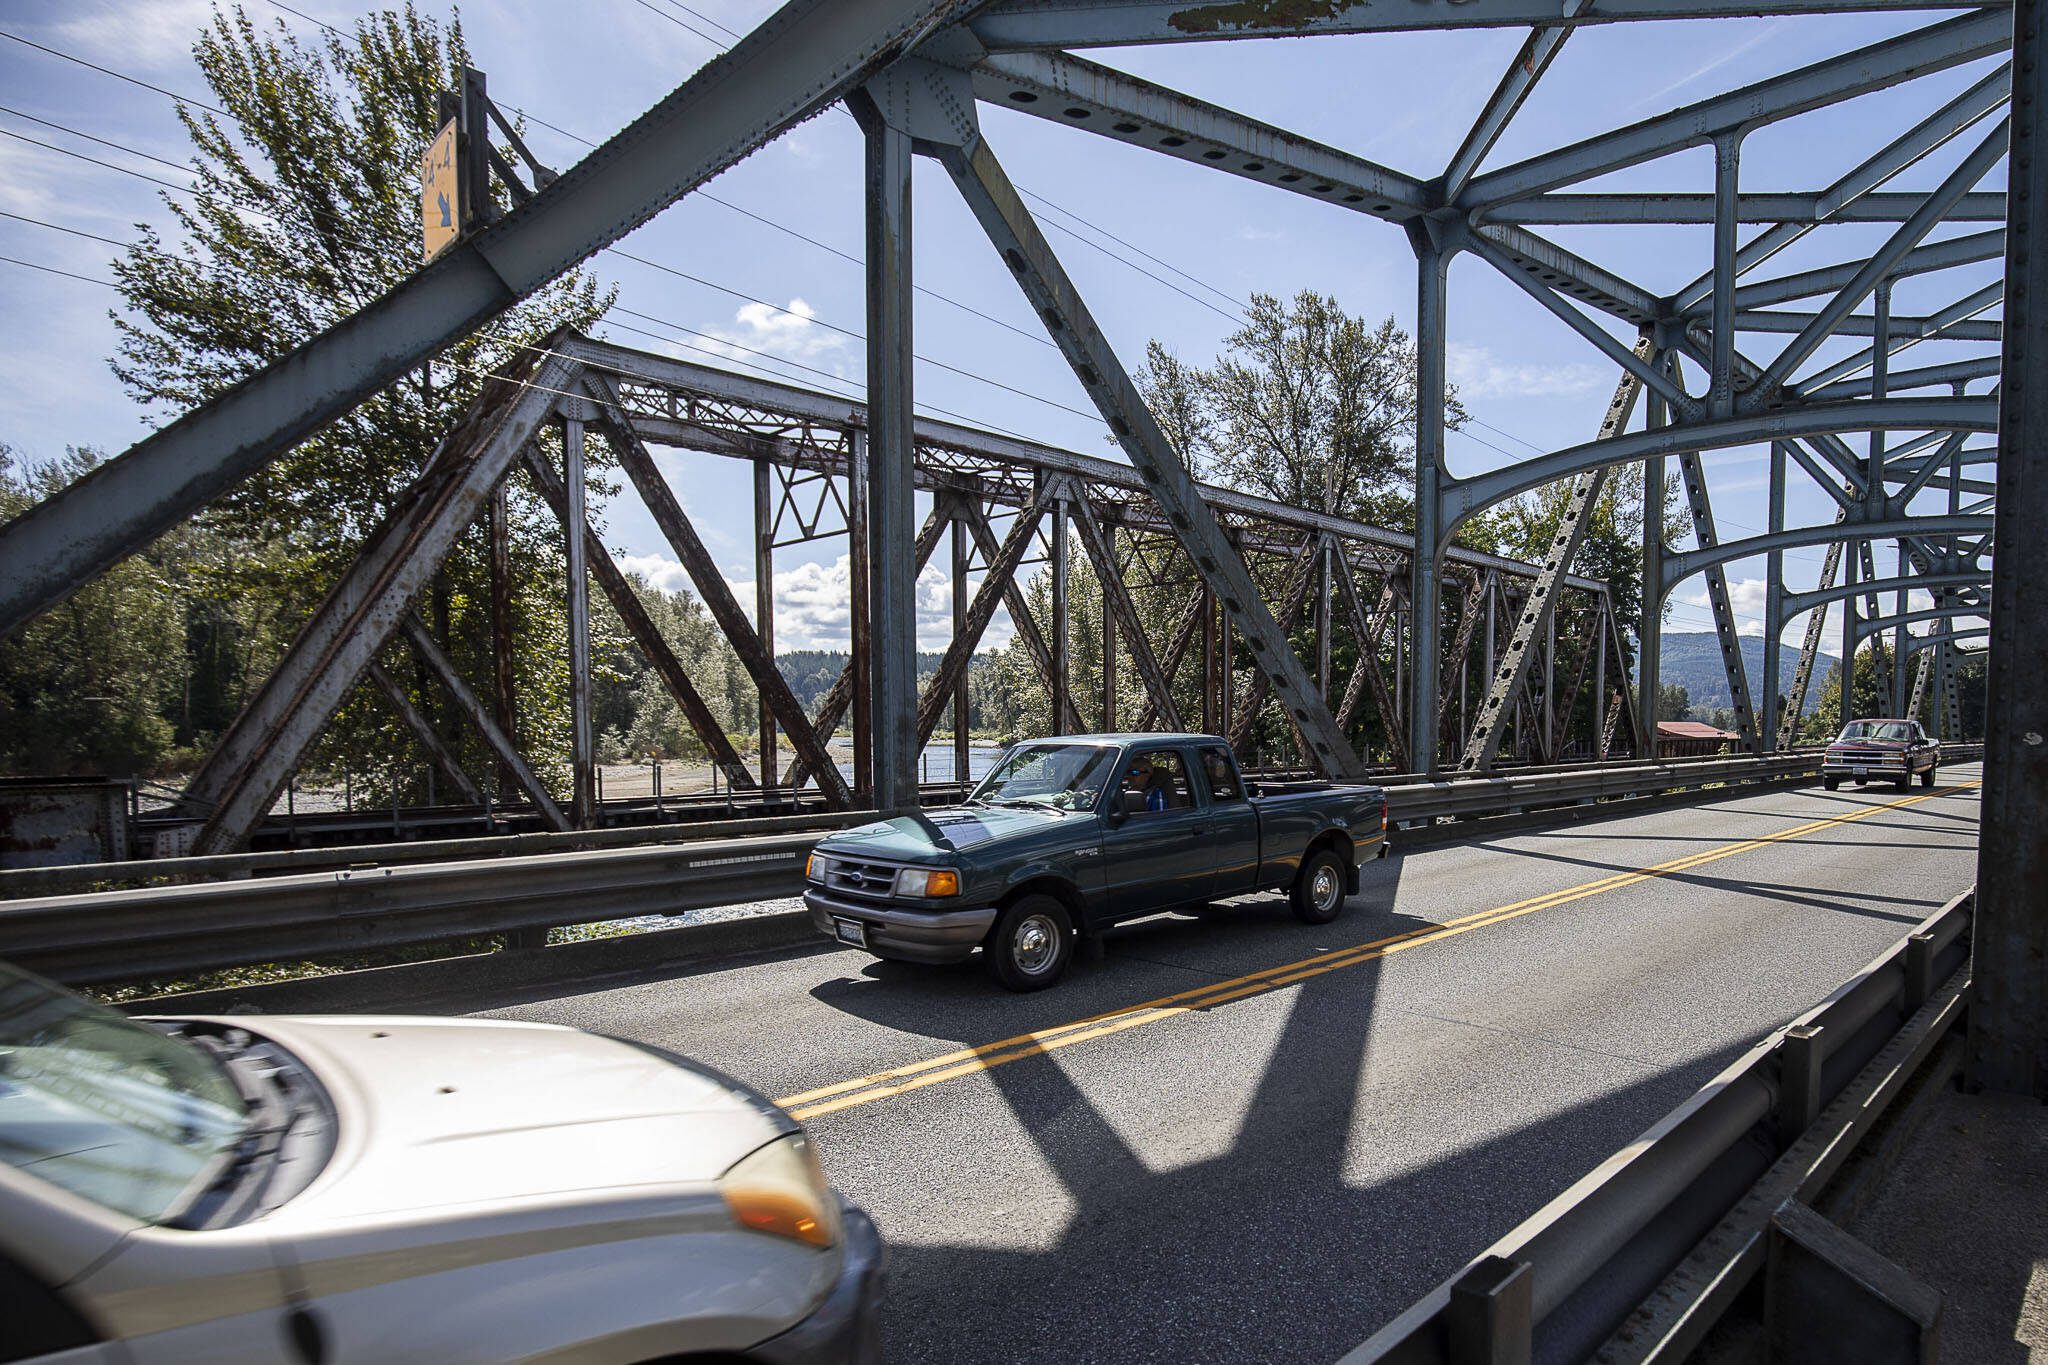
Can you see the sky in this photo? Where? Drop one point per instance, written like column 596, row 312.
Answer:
column 1159, row 248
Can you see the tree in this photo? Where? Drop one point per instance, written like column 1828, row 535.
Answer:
column 306, row 209
column 1673, row 702
column 1307, row 405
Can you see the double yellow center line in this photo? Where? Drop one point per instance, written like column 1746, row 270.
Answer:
column 882, row 1085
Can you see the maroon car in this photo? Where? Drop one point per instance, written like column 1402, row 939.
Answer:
column 1891, row 750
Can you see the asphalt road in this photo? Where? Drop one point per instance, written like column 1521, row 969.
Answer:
column 1199, row 1157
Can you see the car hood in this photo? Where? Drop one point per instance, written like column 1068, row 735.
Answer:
column 917, row 837
column 1869, row 744
column 433, row 1113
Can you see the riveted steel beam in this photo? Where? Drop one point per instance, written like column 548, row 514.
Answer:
column 1944, row 255
column 478, row 714
column 717, row 596
column 1001, row 572
column 255, row 756
column 1921, row 52
column 1684, row 565
column 1080, row 94
column 1118, row 606
column 1796, row 602
column 1466, row 496
column 1000, row 211
column 1539, row 609
column 1016, row 25
column 1733, row 666
column 805, row 56
column 1538, row 50
column 1803, row 212
column 423, row 731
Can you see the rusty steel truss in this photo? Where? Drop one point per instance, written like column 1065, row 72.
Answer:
column 1004, row 507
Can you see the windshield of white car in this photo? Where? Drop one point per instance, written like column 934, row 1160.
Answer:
column 107, row 1108
column 1051, row 776
column 1893, row 730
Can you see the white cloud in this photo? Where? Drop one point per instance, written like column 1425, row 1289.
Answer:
column 812, row 600
column 790, row 333
column 1479, row 374
column 158, row 35
column 1745, row 599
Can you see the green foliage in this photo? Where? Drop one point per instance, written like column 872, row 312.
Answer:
column 1673, row 702
column 1307, row 405
column 306, row 210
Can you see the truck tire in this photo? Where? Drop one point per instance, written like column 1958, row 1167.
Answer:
column 1318, row 894
column 1927, row 778
column 1031, row 944
column 1831, row 783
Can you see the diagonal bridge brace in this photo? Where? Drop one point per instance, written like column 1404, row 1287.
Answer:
column 1512, row 673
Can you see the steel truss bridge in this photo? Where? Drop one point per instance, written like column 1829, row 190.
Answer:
column 1934, row 465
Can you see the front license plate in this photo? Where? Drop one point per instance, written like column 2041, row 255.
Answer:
column 1859, row 772
column 851, row 931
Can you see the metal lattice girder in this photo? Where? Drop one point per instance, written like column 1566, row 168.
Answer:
column 1799, row 211
column 1899, row 381
column 1001, row 573
column 1512, row 671
column 1809, row 651
column 1530, row 260
column 1921, row 52
column 1852, row 196
column 479, row 715
column 1469, row 614
column 1116, row 599
column 996, row 205
column 1367, row 634
column 716, row 594
column 1796, row 602
column 833, row 705
column 801, row 59
column 1682, row 566
column 1944, row 255
column 423, row 731
column 1015, row 603
column 258, row 752
column 1953, row 323
column 1015, row 25
column 1293, row 597
column 1909, row 234
column 1732, row 664
column 1463, row 497
column 1919, row 694
column 1097, row 99
column 1538, row 50
column 1184, row 631
column 647, row 638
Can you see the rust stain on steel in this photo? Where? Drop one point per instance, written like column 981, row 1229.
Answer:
column 1256, row 15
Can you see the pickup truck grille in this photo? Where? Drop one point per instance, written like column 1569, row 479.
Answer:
column 851, row 877
column 1871, row 757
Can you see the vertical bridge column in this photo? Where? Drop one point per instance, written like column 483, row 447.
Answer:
column 1432, row 275
column 2008, row 1042
column 891, row 450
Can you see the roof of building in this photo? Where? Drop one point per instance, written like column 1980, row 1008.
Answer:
column 1693, row 729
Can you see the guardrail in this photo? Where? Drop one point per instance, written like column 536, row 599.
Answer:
column 407, row 894
column 1637, row 1262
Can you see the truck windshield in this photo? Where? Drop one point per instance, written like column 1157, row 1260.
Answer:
column 1054, row 776
column 1893, row 730
column 104, row 1107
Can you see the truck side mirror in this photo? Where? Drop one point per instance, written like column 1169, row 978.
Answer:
column 1115, row 814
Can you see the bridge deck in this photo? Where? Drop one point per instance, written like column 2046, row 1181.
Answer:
column 1190, row 1163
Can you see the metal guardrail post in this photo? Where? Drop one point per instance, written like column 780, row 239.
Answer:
column 1490, row 1320
column 1801, row 1057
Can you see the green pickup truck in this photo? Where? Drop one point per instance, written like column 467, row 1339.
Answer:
column 1068, row 836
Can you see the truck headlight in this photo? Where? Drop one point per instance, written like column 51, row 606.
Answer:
column 781, row 1189
column 816, row 866
column 922, row 881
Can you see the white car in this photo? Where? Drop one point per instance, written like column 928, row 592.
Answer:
column 341, row 1189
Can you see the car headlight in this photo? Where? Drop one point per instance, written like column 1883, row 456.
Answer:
column 921, row 881
column 816, row 866
column 780, row 1189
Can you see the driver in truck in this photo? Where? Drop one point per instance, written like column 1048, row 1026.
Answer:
column 1147, row 782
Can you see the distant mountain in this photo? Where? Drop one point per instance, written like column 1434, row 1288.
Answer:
column 1693, row 661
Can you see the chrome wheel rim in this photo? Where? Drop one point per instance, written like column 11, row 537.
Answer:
column 1324, row 888
column 1035, row 944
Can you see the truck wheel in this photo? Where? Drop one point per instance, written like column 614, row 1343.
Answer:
column 1927, row 778
column 1831, row 783
column 1031, row 944
column 1319, row 888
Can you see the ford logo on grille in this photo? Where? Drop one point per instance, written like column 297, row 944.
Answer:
column 856, row 878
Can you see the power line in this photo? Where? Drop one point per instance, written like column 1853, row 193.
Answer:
column 52, row 270
column 107, row 71
column 59, row 227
